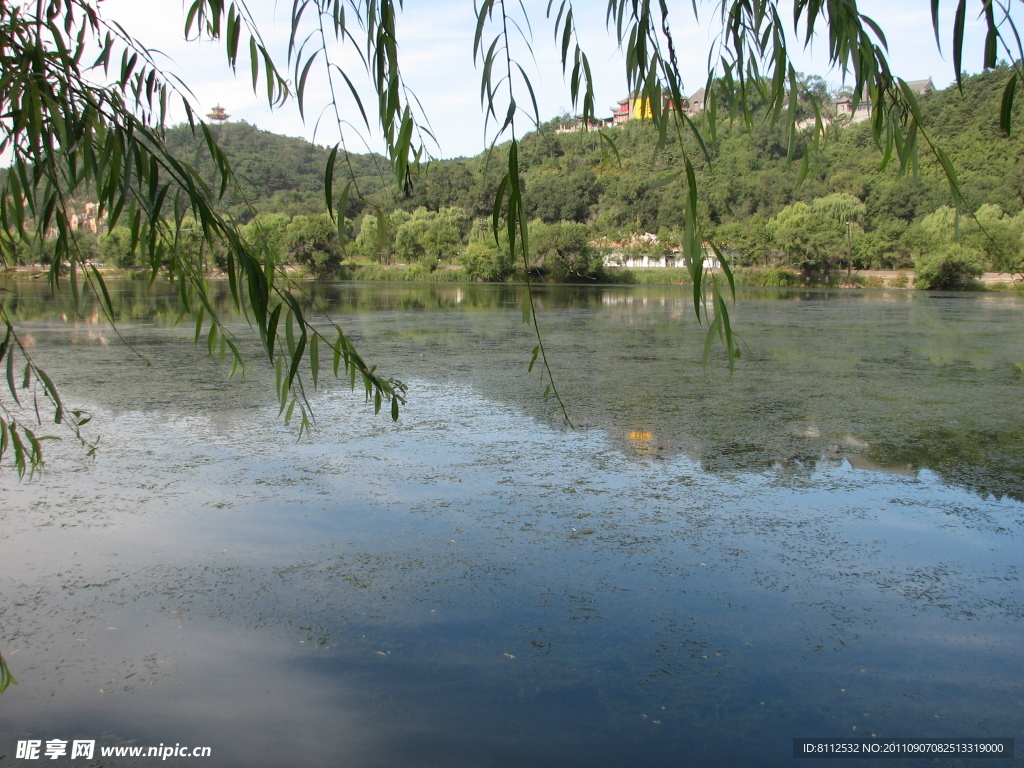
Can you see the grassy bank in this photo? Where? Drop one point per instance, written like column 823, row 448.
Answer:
column 402, row 273
column 747, row 277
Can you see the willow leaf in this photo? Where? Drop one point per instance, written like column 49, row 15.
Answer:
column 1006, row 107
column 329, row 180
column 314, row 358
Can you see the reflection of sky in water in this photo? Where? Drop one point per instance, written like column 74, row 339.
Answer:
column 474, row 586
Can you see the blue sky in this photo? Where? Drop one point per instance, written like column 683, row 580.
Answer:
column 435, row 41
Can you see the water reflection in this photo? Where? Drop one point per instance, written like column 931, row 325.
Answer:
column 706, row 568
column 879, row 377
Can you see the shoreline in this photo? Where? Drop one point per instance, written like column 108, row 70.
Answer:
column 865, row 279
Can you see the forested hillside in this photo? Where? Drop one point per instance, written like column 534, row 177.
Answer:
column 277, row 174
column 590, row 197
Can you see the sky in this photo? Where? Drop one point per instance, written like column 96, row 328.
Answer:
column 435, row 51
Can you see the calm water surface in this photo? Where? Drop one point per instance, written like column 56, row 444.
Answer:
column 828, row 543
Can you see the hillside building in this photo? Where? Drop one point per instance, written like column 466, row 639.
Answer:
column 843, row 110
column 218, row 115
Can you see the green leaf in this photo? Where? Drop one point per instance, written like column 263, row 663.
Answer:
column 958, row 42
column 6, row 342
column 6, row 678
column 254, row 63
column 329, row 180
column 533, row 358
column 297, row 355
column 664, row 181
column 709, row 338
column 1006, row 108
column 271, row 332
column 20, row 454
column 314, row 357
column 11, row 381
column 301, row 92
column 342, row 208
column 4, row 438
column 51, row 392
column 935, row 23
column 991, row 36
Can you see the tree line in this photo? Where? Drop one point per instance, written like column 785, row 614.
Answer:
column 581, row 190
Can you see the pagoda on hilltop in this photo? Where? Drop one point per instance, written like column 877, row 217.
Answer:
column 218, row 115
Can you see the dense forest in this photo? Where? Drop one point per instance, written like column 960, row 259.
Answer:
column 593, row 200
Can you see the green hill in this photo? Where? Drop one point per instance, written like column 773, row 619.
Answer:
column 617, row 183
column 277, row 174
column 573, row 176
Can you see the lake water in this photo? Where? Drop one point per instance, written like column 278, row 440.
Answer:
column 827, row 543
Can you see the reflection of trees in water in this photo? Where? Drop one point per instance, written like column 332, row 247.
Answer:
column 826, row 375
column 720, row 454
column 827, row 378
column 131, row 300
column 139, row 300
column 986, row 462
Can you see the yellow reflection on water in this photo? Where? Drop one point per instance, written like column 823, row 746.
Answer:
column 641, row 440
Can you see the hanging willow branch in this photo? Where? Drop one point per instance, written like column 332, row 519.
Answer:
column 72, row 139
